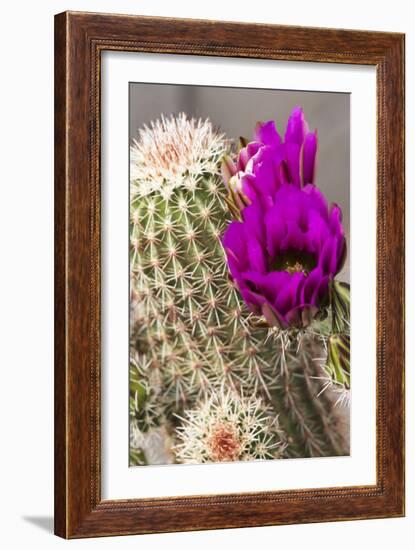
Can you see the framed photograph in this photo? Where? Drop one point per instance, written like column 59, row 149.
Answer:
column 229, row 276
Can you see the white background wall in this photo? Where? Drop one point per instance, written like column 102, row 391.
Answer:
column 26, row 270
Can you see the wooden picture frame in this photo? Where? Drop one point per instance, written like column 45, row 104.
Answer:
column 79, row 40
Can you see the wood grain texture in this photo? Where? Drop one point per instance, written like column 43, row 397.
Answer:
column 79, row 40
column 60, row 278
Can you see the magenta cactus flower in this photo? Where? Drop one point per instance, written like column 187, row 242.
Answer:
column 284, row 253
column 268, row 162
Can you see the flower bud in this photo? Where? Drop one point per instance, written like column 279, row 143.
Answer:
column 338, row 359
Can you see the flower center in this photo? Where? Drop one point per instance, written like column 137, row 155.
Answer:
column 294, row 261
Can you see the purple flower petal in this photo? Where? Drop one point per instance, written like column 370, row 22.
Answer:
column 253, row 217
column 335, row 221
column 256, row 256
column 308, row 160
column 292, row 156
column 297, row 127
column 328, row 258
column 266, row 133
column 253, row 300
column 243, row 159
column 317, row 200
column 289, row 295
column 234, row 243
column 253, row 147
column 268, row 284
column 276, row 231
column 311, row 286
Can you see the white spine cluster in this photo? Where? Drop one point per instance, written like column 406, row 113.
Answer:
column 227, row 427
column 174, row 152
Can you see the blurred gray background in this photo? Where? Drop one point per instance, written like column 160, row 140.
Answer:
column 236, row 111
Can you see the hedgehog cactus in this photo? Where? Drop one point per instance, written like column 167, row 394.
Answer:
column 187, row 317
column 227, row 427
column 191, row 334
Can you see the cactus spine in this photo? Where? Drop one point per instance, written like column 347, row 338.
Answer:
column 227, row 427
column 191, row 335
